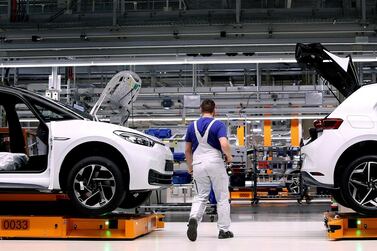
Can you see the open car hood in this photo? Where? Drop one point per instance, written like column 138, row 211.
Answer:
column 339, row 72
column 121, row 91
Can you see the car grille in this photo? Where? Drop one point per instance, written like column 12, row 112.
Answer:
column 169, row 166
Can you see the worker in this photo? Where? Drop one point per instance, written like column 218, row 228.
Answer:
column 206, row 142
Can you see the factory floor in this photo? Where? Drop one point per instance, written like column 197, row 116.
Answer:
column 267, row 226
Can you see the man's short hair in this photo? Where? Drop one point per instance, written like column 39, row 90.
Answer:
column 208, row 106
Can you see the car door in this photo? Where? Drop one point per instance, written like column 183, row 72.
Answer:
column 24, row 151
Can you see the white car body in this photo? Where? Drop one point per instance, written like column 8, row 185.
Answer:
column 341, row 152
column 100, row 165
column 359, row 115
column 66, row 135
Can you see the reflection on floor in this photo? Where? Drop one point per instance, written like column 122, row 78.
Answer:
column 269, row 211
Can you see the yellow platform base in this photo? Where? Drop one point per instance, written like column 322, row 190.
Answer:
column 120, row 227
column 350, row 226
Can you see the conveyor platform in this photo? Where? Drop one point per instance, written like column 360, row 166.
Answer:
column 60, row 227
column 350, row 226
column 25, row 220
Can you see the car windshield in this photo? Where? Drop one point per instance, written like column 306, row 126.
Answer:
column 73, row 109
column 52, row 110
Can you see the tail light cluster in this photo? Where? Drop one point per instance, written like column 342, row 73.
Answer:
column 327, row 123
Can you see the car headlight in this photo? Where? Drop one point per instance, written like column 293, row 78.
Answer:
column 135, row 138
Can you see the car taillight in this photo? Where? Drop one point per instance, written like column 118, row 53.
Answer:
column 327, row 123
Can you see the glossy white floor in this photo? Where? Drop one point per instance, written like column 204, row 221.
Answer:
column 280, row 235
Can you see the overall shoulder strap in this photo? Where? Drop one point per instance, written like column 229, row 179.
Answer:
column 197, row 133
column 208, row 128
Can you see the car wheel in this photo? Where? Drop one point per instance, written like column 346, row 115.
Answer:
column 135, row 199
column 95, row 186
column 293, row 183
column 359, row 185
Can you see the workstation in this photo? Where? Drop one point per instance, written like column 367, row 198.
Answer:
column 152, row 120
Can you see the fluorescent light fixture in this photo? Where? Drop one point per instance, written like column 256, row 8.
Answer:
column 179, row 119
column 29, row 120
column 256, row 118
column 163, row 61
column 136, row 61
column 256, row 130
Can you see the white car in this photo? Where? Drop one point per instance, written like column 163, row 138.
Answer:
column 100, row 166
column 342, row 152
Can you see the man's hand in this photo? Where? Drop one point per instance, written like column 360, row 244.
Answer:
column 190, row 170
column 228, row 159
column 188, row 153
column 225, row 147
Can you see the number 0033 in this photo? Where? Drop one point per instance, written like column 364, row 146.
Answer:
column 15, row 224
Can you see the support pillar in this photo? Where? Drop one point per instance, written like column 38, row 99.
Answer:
column 238, row 11
column 363, row 11
column 122, row 7
column 258, row 73
column 54, row 84
column 115, row 12
column 267, row 133
column 295, row 133
column 78, row 7
column 194, row 78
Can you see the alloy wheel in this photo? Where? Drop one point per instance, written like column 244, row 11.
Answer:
column 94, row 186
column 362, row 185
column 294, row 186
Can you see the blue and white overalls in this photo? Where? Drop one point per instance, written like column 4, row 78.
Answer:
column 209, row 170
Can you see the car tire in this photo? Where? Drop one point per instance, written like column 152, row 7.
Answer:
column 95, row 186
column 338, row 197
column 359, row 185
column 135, row 199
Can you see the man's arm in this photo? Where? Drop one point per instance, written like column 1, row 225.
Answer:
column 225, row 147
column 188, row 153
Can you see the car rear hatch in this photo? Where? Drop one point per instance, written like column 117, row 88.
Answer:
column 339, row 72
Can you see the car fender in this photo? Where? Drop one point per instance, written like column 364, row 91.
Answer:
column 62, row 148
column 351, row 142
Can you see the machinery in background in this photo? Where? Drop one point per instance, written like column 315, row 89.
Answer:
column 274, row 173
column 266, row 172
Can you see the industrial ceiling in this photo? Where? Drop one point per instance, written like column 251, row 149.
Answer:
column 239, row 52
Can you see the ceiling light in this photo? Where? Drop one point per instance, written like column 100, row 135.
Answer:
column 251, row 118
column 165, row 61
